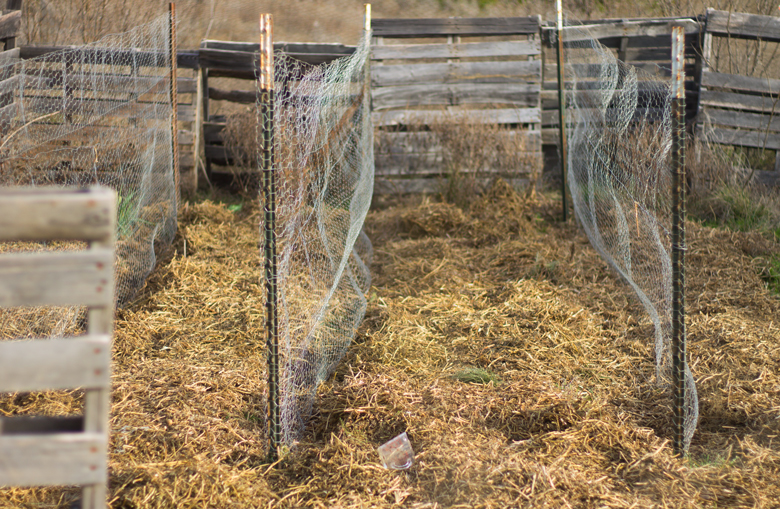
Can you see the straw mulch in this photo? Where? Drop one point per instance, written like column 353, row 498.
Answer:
column 571, row 418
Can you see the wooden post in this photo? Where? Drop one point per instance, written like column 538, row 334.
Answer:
column 174, row 104
column 203, row 82
column 561, row 114
column 266, row 88
column 678, row 239
column 12, row 5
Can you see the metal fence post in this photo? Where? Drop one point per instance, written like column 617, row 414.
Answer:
column 678, row 237
column 561, row 112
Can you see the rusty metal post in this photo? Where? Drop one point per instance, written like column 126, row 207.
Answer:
column 266, row 104
column 678, row 238
column 562, row 113
column 174, row 104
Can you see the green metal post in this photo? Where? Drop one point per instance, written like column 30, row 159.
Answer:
column 266, row 88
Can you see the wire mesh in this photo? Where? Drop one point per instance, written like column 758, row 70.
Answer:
column 97, row 114
column 620, row 178
column 324, row 169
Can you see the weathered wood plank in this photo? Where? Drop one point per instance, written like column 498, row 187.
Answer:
column 738, row 101
column 461, row 50
column 629, row 29
column 768, row 178
column 651, row 68
column 32, row 214
column 743, row 119
column 52, row 460
column 403, row 142
column 235, row 96
column 756, row 139
column 37, row 424
column 288, row 47
column 73, row 278
column 409, row 96
column 52, row 364
column 519, row 71
column 443, row 27
column 744, row 26
column 422, row 117
column 10, row 24
column 765, row 86
column 431, row 164
column 9, row 57
column 432, row 185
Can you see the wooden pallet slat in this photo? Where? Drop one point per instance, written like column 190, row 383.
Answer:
column 51, row 364
column 744, row 26
column 518, row 71
column 756, row 139
column 36, row 214
column 517, row 94
column 498, row 116
column 463, row 27
column 52, row 460
column 744, row 120
column 78, row 278
column 765, row 86
column 458, row 50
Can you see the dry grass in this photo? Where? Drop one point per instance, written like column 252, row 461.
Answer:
column 501, row 286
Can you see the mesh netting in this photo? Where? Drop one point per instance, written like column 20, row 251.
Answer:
column 97, row 114
column 325, row 176
column 619, row 143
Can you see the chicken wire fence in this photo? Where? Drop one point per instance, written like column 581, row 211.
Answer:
column 324, row 173
column 619, row 123
column 95, row 114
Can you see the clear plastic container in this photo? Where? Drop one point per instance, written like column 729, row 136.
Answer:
column 397, row 454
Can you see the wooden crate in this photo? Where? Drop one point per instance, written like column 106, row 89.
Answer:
column 493, row 77
column 50, row 451
column 735, row 109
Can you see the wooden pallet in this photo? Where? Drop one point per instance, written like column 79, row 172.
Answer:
column 51, row 451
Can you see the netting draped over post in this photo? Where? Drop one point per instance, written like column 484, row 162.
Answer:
column 99, row 114
column 324, row 166
column 620, row 140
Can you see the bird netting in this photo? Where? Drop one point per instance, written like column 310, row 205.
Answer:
column 324, row 168
column 96, row 114
column 620, row 178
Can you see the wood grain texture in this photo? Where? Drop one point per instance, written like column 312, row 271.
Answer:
column 765, row 86
column 36, row 214
column 460, row 50
column 52, row 460
column 410, row 96
column 629, row 29
column 10, row 23
column 738, row 101
column 744, row 26
column 50, row 364
column 58, row 278
column 738, row 137
column 744, row 119
column 443, row 27
column 421, row 117
column 518, row 71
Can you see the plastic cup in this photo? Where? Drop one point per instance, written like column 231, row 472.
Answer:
column 397, row 454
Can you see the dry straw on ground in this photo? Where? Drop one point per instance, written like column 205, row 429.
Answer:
column 572, row 417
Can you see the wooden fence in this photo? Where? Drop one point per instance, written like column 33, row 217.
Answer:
column 50, row 451
column 509, row 82
column 736, row 109
column 451, row 81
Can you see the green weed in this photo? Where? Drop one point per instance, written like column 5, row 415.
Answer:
column 476, row 376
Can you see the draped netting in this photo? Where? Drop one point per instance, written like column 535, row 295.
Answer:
column 95, row 114
column 620, row 139
column 325, row 176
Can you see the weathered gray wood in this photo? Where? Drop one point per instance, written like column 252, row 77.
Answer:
column 443, row 27
column 738, row 101
column 756, row 139
column 42, row 105
column 520, row 95
column 433, row 185
column 51, row 460
column 235, row 96
column 9, row 56
column 461, row 50
column 50, row 364
column 765, row 86
column 629, row 29
column 10, row 24
column 36, row 214
column 744, row 26
column 654, row 69
column 287, row 47
column 406, row 142
column 37, row 424
column 57, row 278
column 744, row 120
column 431, row 164
column 519, row 71
column 422, row 117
